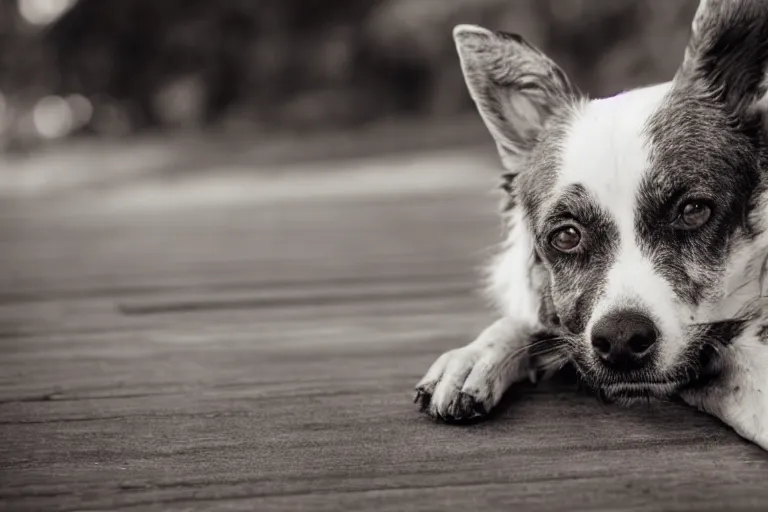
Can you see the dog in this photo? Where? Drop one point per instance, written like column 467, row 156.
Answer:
column 637, row 228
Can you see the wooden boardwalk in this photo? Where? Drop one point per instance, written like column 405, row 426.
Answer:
column 259, row 355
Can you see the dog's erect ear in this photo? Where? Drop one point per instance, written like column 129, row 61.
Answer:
column 728, row 51
column 516, row 88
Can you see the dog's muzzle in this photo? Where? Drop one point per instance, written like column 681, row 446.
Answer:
column 624, row 340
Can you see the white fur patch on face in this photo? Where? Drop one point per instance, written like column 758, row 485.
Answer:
column 607, row 152
column 633, row 283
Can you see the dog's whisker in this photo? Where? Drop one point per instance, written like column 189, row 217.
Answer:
column 550, row 344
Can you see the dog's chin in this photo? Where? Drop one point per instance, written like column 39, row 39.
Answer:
column 641, row 385
column 627, row 392
column 616, row 387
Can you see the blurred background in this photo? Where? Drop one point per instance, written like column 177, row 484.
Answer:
column 183, row 80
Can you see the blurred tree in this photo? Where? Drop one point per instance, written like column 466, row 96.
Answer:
column 287, row 64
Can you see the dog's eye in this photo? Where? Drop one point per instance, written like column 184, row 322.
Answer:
column 693, row 215
column 566, row 239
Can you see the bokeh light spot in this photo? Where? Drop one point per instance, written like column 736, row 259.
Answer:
column 53, row 117
column 43, row 12
column 82, row 109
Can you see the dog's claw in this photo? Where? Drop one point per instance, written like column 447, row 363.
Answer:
column 465, row 384
column 422, row 399
column 464, row 408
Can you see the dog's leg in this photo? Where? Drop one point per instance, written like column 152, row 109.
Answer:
column 739, row 396
column 466, row 383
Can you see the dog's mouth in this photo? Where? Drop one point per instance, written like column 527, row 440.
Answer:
column 613, row 386
column 618, row 387
column 633, row 390
column 699, row 364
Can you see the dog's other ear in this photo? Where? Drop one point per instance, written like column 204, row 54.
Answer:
column 728, row 52
column 515, row 87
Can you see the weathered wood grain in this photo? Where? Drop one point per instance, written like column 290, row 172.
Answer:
column 260, row 356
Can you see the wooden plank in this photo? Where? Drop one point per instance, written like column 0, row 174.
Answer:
column 261, row 357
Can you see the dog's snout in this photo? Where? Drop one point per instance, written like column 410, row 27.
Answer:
column 623, row 339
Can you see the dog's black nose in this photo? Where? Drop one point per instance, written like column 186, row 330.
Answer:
column 623, row 339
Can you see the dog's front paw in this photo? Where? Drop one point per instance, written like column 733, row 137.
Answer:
column 466, row 383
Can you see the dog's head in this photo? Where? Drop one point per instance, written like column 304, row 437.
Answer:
column 641, row 206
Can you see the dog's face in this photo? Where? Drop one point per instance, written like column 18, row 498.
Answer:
column 646, row 205
column 640, row 206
